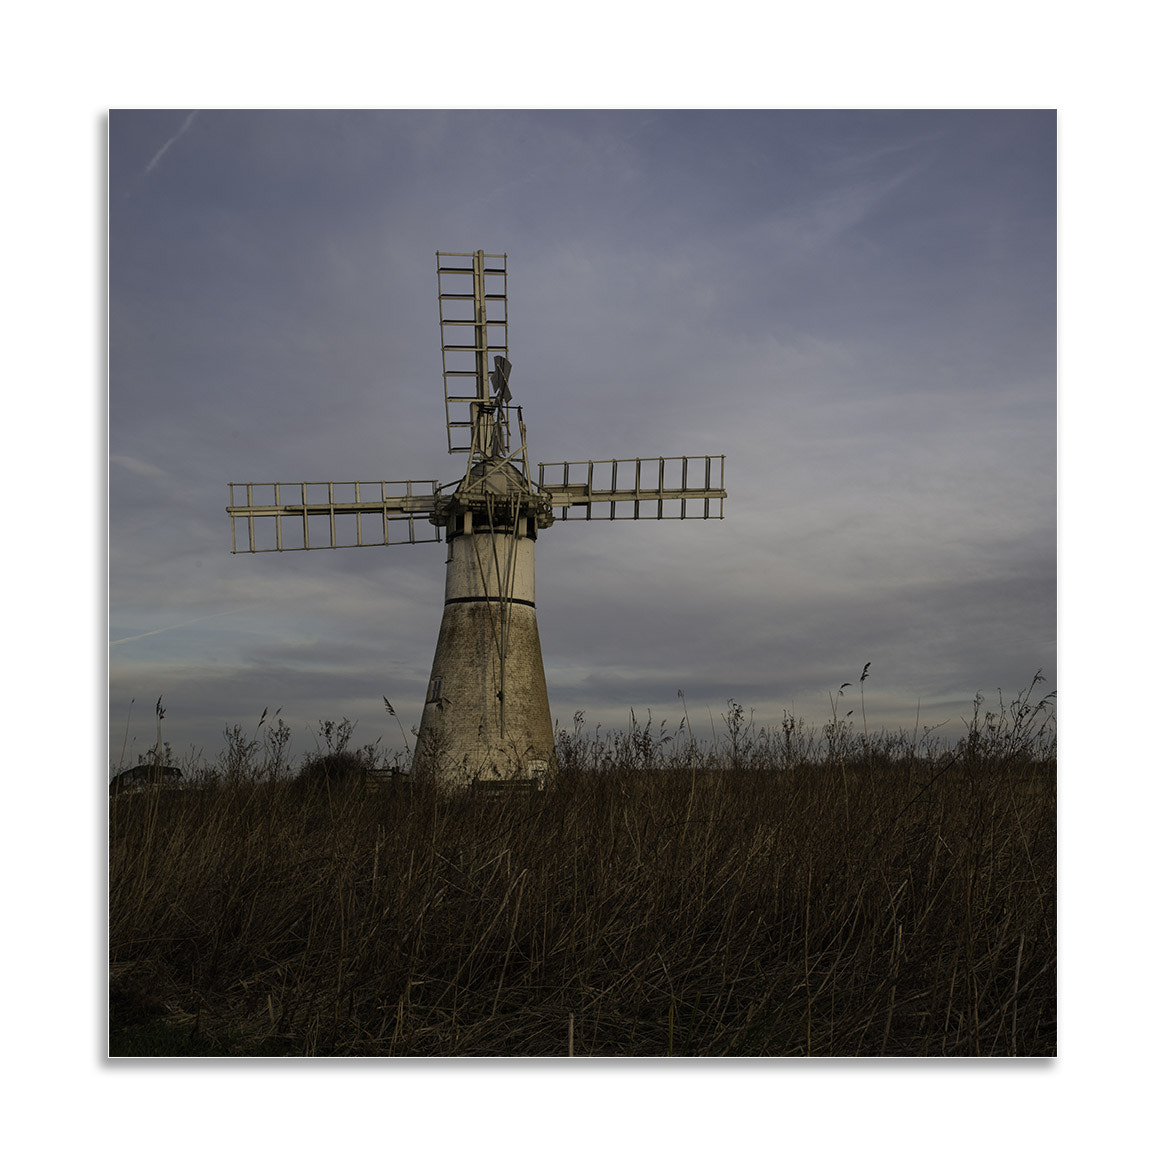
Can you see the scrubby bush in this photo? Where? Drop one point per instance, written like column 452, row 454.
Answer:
column 333, row 771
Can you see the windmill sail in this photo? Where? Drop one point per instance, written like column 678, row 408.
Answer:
column 622, row 488
column 306, row 516
column 471, row 299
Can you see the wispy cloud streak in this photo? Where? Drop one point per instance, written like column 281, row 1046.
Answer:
column 158, row 156
column 137, row 466
column 172, row 627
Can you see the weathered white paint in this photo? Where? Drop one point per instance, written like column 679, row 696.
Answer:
column 486, row 714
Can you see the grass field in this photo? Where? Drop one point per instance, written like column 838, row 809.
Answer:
column 787, row 892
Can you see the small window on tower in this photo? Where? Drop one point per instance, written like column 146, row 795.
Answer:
column 434, row 690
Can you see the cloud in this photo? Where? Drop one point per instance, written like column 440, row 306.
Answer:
column 172, row 627
column 170, row 142
column 805, row 231
column 137, row 466
column 855, row 159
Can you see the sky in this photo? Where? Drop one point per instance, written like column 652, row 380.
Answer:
column 857, row 308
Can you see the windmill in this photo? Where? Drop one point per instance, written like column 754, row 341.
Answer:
column 486, row 715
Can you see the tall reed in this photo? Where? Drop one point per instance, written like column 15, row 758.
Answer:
column 785, row 893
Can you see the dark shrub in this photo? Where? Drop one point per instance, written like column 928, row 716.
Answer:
column 333, row 771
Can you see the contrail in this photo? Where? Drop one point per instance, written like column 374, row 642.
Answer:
column 172, row 627
column 157, row 157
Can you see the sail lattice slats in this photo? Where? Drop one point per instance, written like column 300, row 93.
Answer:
column 306, row 516
column 626, row 488
column 473, row 312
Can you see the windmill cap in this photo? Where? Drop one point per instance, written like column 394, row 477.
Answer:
column 497, row 475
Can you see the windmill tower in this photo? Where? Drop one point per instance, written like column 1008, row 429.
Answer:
column 486, row 714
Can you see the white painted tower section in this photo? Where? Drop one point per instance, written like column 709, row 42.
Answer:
column 486, row 716
column 496, row 565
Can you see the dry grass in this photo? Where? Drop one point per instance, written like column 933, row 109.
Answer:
column 788, row 894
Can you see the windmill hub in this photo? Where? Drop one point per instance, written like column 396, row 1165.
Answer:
column 486, row 715
column 494, row 494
